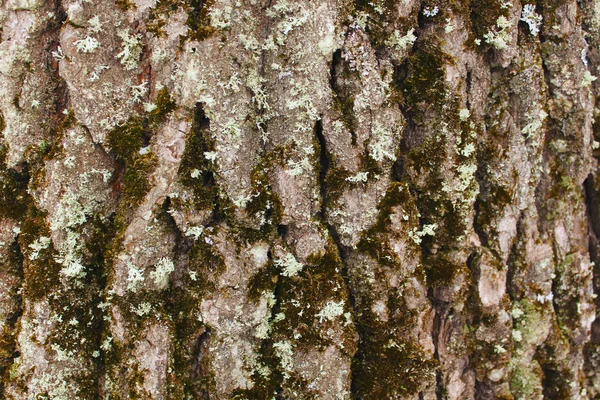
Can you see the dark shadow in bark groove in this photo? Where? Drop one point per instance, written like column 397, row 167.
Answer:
column 8, row 351
column 441, row 312
column 339, row 77
column 282, row 231
column 592, row 349
column 200, row 367
column 592, row 204
column 324, row 162
column 198, row 141
column 513, row 290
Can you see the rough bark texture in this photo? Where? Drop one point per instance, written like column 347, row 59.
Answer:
column 277, row 199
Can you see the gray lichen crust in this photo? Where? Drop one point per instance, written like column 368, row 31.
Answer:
column 277, row 199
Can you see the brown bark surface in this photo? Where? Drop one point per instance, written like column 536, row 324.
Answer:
column 277, row 199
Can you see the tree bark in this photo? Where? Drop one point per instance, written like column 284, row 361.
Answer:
column 276, row 199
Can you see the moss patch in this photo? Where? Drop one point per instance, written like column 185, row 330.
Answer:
column 164, row 106
column 263, row 281
column 483, row 19
column 11, row 267
column 126, row 140
column 13, row 193
column 300, row 298
column 195, row 170
column 41, row 277
column 135, row 181
column 384, row 350
column 425, row 85
column 373, row 242
column 303, row 296
column 124, row 5
column 198, row 17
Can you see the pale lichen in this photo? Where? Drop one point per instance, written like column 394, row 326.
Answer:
column 289, row 265
column 402, row 42
column 500, row 37
column 331, row 310
column 87, row 45
column 162, row 272
column 417, row 235
column 531, row 18
column 132, row 49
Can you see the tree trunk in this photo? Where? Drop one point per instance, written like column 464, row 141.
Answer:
column 278, row 199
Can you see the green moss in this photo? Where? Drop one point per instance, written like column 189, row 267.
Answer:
column 41, row 276
column 206, row 262
column 199, row 19
column 435, row 207
column 375, row 370
column 264, row 387
column 11, row 268
column 49, row 148
column 13, row 193
column 195, row 171
column 164, row 106
column 314, row 286
column 158, row 15
column 300, row 298
column 263, row 281
column 76, row 305
column 484, row 354
column 335, row 181
column 373, row 242
column 343, row 83
column 425, row 84
column 525, row 381
column 568, row 301
column 491, row 205
column 384, row 350
column 484, row 16
column 192, row 362
column 7, row 348
column 441, row 269
column 271, row 386
column 135, row 180
column 192, row 358
column 556, row 380
column 191, row 367
column 368, row 163
column 82, row 320
column 124, row 5
column 345, row 105
column 383, row 17
column 548, row 8
column 264, row 203
column 126, row 140
column 99, row 234
column 274, row 385
column 564, row 185
column 315, row 258
column 13, row 186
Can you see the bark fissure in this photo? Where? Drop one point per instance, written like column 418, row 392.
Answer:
column 324, row 163
column 276, row 199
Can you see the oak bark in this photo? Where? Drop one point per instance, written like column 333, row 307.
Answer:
column 276, row 199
